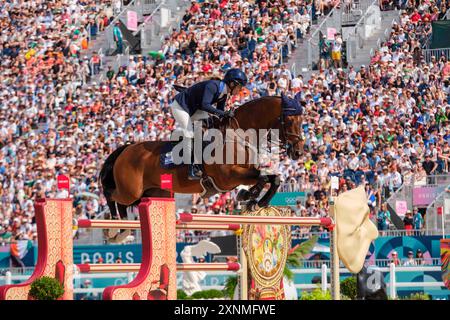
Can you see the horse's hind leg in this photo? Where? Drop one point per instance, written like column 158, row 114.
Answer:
column 111, row 233
column 117, row 235
column 112, row 210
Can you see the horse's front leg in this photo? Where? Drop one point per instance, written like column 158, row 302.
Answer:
column 250, row 194
column 274, row 181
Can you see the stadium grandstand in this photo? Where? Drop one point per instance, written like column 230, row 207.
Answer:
column 80, row 78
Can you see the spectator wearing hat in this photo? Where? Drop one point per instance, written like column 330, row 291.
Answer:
column 394, row 259
column 336, row 50
column 87, row 284
column 410, row 262
column 420, row 261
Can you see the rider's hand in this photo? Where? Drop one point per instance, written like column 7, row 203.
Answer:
column 229, row 114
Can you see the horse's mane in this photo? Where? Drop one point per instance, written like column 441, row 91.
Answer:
column 243, row 106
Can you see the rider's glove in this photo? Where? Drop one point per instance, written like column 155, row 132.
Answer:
column 228, row 114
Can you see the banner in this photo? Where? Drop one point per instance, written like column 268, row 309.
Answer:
column 63, row 182
column 424, row 196
column 132, row 20
column 400, row 208
column 331, row 33
column 439, row 35
column 166, row 181
column 288, row 198
column 128, row 253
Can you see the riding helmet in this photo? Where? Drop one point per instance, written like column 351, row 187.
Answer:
column 235, row 75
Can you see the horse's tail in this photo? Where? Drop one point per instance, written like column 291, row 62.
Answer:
column 106, row 176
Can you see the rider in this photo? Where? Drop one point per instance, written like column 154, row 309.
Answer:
column 194, row 104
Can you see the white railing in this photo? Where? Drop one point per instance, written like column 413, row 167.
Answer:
column 392, row 271
column 437, row 53
column 393, row 284
column 363, row 29
column 324, row 272
column 148, row 19
column 409, row 233
column 289, row 47
column 447, row 15
column 149, row 29
column 307, row 266
column 353, row 11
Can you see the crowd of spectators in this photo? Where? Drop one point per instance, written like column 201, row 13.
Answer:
column 53, row 121
column 381, row 125
column 42, row 69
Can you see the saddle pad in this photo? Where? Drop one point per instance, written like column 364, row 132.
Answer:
column 166, row 160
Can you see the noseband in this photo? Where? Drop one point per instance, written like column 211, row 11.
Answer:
column 284, row 133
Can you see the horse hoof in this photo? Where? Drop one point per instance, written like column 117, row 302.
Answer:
column 252, row 205
column 243, row 195
column 123, row 235
column 111, row 233
column 120, row 238
column 262, row 205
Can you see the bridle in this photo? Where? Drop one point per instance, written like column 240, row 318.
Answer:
column 284, row 134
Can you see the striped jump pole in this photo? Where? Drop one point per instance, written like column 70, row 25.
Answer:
column 227, row 219
column 134, row 225
column 135, row 267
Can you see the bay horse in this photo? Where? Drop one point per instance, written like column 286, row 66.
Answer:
column 133, row 171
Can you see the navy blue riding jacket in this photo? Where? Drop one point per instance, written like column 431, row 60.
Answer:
column 202, row 96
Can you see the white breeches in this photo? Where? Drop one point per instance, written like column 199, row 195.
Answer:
column 184, row 121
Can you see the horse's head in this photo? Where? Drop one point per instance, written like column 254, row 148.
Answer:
column 267, row 113
column 291, row 123
column 292, row 136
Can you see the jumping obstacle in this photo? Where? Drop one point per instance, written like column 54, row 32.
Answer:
column 156, row 278
column 158, row 228
column 157, row 271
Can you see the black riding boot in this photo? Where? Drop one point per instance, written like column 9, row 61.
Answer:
column 194, row 170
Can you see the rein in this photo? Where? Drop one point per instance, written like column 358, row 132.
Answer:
column 233, row 123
